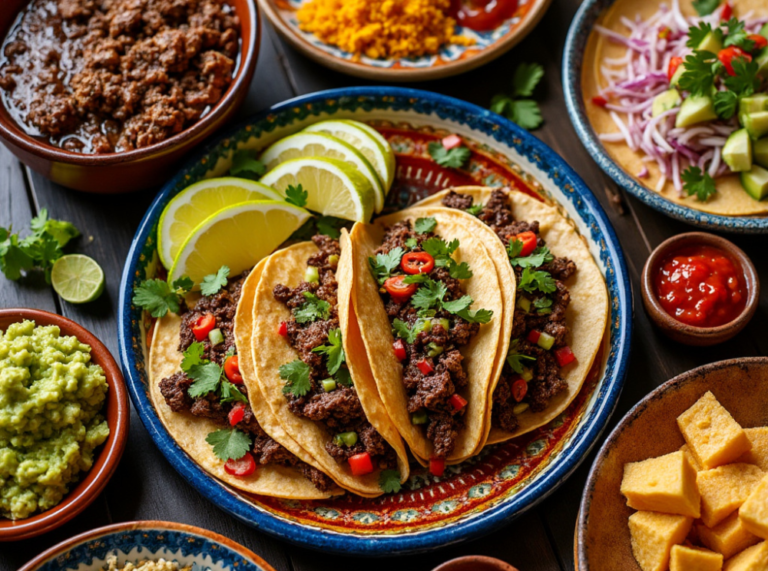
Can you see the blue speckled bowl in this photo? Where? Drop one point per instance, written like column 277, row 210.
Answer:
column 573, row 57
column 133, row 542
column 481, row 494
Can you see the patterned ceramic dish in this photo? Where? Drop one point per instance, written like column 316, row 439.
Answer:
column 132, row 542
column 451, row 59
column 503, row 481
column 573, row 59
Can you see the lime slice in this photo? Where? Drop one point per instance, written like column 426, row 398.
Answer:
column 77, row 278
column 334, row 188
column 196, row 203
column 238, row 236
column 365, row 139
column 323, row 145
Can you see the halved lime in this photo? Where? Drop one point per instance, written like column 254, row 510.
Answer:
column 196, row 203
column 365, row 139
column 306, row 144
column 334, row 188
column 77, row 278
column 238, row 236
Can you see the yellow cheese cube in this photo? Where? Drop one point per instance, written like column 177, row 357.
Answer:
column 711, row 433
column 653, row 535
column 754, row 512
column 685, row 558
column 692, row 459
column 753, row 558
column 727, row 537
column 666, row 484
column 724, row 489
column 759, row 453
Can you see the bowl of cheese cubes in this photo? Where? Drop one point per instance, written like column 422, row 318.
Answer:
column 681, row 484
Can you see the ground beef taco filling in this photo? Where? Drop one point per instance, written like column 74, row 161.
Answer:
column 538, row 348
column 229, row 412
column 318, row 384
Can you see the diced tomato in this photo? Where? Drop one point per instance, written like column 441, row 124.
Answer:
column 236, row 414
column 203, row 326
column 242, row 467
column 760, row 41
column 398, row 290
column 425, row 366
column 232, row 370
column 674, row 63
column 727, row 55
column 600, row 101
column 457, row 401
column 564, row 356
column 533, row 336
column 726, row 11
column 282, row 329
column 361, row 464
column 437, row 466
column 529, row 241
column 519, row 389
column 417, row 263
column 400, row 352
column 452, row 141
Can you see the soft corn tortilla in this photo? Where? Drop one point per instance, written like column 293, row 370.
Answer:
column 587, row 314
column 270, row 352
column 479, row 354
column 190, row 431
column 731, row 199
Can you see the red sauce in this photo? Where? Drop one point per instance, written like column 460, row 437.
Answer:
column 482, row 15
column 701, row 286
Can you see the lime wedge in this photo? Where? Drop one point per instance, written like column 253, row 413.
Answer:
column 238, row 236
column 334, row 188
column 365, row 139
column 77, row 278
column 323, row 145
column 196, row 203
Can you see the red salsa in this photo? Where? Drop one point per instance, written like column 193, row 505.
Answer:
column 701, row 286
column 482, row 15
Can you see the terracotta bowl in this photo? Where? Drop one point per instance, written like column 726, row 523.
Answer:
column 475, row 563
column 689, row 334
column 117, row 412
column 141, row 168
column 650, row 430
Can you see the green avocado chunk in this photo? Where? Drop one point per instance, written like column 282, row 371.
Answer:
column 756, row 124
column 710, row 43
column 760, row 152
column 755, row 182
column 696, row 109
column 665, row 101
column 676, row 77
column 762, row 63
column 737, row 152
column 753, row 104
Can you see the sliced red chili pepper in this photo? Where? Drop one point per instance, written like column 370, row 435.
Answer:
column 726, row 11
column 400, row 352
column 727, row 55
column 360, row 464
column 457, row 401
column 236, row 414
column 519, row 389
column 232, row 370
column 203, row 326
column 451, row 142
column 533, row 336
column 600, row 101
column 564, row 356
column 282, row 329
column 241, row 467
column 400, row 292
column 529, row 241
column 425, row 366
column 437, row 466
column 760, row 41
column 417, row 263
column 674, row 63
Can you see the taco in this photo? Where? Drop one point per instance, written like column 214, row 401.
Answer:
column 560, row 312
column 311, row 368
column 225, row 427
column 427, row 299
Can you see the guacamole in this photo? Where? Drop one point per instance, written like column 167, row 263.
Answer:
column 51, row 396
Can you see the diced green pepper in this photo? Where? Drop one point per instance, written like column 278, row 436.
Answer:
column 545, row 341
column 333, row 260
column 215, row 336
column 442, row 321
column 520, row 408
column 527, row 374
column 524, row 303
column 328, row 385
column 311, row 275
column 419, row 417
column 348, row 439
column 433, row 349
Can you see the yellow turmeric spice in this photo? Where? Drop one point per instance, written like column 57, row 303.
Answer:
column 382, row 28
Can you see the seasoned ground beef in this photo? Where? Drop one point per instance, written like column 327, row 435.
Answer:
column 104, row 76
column 339, row 410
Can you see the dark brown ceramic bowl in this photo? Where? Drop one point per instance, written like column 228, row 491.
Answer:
column 141, row 168
column 650, row 430
column 689, row 334
column 475, row 563
column 117, row 412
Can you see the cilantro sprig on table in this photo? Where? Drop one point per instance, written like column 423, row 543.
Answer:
column 454, row 158
column 524, row 112
column 158, row 297
column 698, row 183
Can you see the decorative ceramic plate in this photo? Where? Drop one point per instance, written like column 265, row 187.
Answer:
column 573, row 58
column 451, row 59
column 504, row 480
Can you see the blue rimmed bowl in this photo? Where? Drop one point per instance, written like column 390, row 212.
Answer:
column 573, row 59
column 503, row 481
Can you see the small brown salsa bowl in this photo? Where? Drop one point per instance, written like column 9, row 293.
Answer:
column 475, row 563
column 689, row 334
column 140, row 168
column 117, row 412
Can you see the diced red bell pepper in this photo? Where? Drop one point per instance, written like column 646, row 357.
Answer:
column 533, row 336
column 437, row 466
column 282, row 329
column 425, row 366
column 727, row 55
column 236, row 414
column 457, row 401
column 674, row 63
column 726, row 11
column 564, row 356
column 203, row 326
column 361, row 464
column 760, row 41
column 452, row 141
column 600, row 101
column 241, row 467
column 400, row 352
column 519, row 389
column 232, row 370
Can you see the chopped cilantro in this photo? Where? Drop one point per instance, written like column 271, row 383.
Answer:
column 229, row 444
column 296, row 195
column 411, row 243
column 475, row 209
column 460, row 271
column 158, row 298
column 424, row 225
column 696, row 34
column 230, row 393
column 383, row 265
column 479, row 316
column 343, row 377
column 193, row 355
column 700, row 71
column 543, row 305
column 206, row 377
column 296, row 373
column 60, row 230
column 400, row 328
column 454, row 158
column 389, row 481
column 416, row 278
column 312, row 309
column 212, row 283
column 430, row 294
column 699, row 183
column 515, row 359
column 536, row 280
column 333, row 351
column 458, row 305
column 539, row 257
column 705, row 7
column 245, row 165
column 440, row 250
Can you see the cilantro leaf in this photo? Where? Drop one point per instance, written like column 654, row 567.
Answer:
column 183, row 284
column 543, row 305
column 440, row 250
column 475, row 209
column 389, row 481
column 193, row 356
column 527, row 76
column 514, row 248
column 330, row 226
column 230, row 393
column 411, row 243
column 312, row 309
column 206, row 378
column 156, row 297
column 343, row 377
column 696, row 34
column 13, row 257
column 384, row 264
column 245, row 165
column 460, row 271
column 705, row 7
column 501, row 104
column 526, row 113
column 44, row 250
column 296, row 195
column 424, row 225
column 536, row 280
column 457, row 305
column 400, row 329
column 699, row 75
column 60, row 230
column 737, row 35
column 212, row 283
column 726, row 103
column 699, row 183
column 515, row 359
column 746, row 81
column 416, row 278
column 430, row 294
column 333, row 351
column 539, row 257
column 479, row 316
column 297, row 374
column 229, row 444
column 454, row 158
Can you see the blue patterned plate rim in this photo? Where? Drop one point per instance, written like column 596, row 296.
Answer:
column 575, row 42
column 586, row 434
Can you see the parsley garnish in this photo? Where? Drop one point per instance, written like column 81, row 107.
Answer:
column 745, row 82
column 389, row 481
column 296, row 195
column 454, row 158
column 158, row 298
column 430, row 294
column 515, row 359
column 407, row 334
column 229, row 444
column 726, row 103
column 536, row 280
column 212, row 283
column 524, row 112
column 383, row 265
column 296, row 373
column 312, row 309
column 737, row 36
column 193, row 356
column 333, row 351
column 696, row 34
column 700, row 71
column 206, row 378
column 475, row 209
column 705, row 7
column 424, row 225
column 244, row 165
column 698, row 183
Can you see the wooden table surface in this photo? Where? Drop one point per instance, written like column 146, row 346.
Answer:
column 146, row 487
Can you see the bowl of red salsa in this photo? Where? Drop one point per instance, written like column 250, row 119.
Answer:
column 700, row 289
